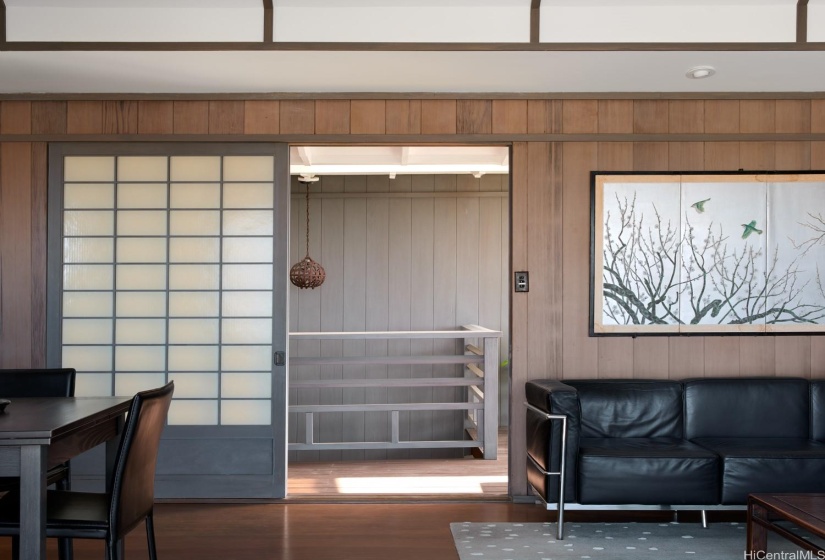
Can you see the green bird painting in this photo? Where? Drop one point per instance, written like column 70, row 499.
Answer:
column 699, row 206
column 749, row 229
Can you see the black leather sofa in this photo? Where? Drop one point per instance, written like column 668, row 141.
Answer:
column 693, row 444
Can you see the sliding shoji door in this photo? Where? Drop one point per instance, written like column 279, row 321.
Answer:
column 169, row 262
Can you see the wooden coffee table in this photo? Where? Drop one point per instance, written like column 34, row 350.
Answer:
column 806, row 511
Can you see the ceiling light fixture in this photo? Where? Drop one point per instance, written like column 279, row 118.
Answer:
column 700, row 72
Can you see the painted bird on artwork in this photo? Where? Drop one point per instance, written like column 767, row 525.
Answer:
column 699, row 206
column 749, row 229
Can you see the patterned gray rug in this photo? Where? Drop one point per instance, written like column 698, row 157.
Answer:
column 613, row 541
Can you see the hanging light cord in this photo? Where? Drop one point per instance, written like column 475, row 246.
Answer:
column 307, row 255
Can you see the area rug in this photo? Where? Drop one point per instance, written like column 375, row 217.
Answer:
column 613, row 541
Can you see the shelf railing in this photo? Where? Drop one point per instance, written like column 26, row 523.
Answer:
column 480, row 360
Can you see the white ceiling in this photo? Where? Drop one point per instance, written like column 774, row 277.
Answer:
column 394, row 70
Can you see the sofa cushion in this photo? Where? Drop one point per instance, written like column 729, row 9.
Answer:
column 751, row 465
column 747, row 408
column 646, row 471
column 818, row 410
column 630, row 408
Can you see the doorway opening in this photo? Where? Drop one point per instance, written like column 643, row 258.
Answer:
column 389, row 392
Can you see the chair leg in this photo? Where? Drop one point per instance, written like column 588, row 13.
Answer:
column 64, row 549
column 15, row 547
column 150, row 536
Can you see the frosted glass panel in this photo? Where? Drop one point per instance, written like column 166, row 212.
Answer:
column 89, row 196
column 141, row 222
column 141, row 250
column 193, row 413
column 247, row 222
column 195, row 168
column 88, row 358
column 247, row 304
column 92, row 384
column 247, row 277
column 141, row 195
column 193, row 304
column 85, row 168
column 246, row 413
column 141, row 168
column 246, row 358
column 246, row 385
column 127, row 384
column 87, row 277
column 194, row 222
column 194, row 277
column 141, row 331
column 85, row 304
column 193, row 358
column 90, row 222
column 196, row 195
column 87, row 250
column 247, row 331
column 141, row 277
column 247, row 249
column 193, row 331
column 248, row 168
column 195, row 385
column 140, row 358
column 248, row 195
column 140, row 304
column 194, row 249
column 87, row 331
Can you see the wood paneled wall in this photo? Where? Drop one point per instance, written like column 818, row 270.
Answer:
column 556, row 143
column 418, row 252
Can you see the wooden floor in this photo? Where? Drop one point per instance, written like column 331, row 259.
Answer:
column 418, row 479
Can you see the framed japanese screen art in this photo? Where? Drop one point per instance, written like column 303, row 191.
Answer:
column 703, row 253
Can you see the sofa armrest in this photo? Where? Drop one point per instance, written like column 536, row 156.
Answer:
column 544, row 437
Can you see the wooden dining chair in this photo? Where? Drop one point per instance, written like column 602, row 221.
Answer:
column 52, row 382
column 109, row 516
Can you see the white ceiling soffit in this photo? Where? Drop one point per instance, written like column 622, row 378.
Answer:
column 400, row 160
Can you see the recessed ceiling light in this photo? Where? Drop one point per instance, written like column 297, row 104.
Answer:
column 699, row 72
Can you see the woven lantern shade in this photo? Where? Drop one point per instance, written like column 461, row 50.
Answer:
column 307, row 273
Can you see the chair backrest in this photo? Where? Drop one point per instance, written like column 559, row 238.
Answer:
column 22, row 383
column 133, row 488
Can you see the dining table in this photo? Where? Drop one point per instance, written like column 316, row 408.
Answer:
column 39, row 433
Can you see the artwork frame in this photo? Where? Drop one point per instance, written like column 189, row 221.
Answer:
column 701, row 253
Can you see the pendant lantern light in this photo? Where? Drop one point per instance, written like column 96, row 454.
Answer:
column 307, row 273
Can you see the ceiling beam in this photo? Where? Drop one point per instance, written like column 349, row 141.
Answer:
column 268, row 36
column 535, row 20
column 802, row 21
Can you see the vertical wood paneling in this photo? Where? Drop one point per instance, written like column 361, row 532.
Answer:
column 403, row 117
column 191, row 117
column 757, row 115
column 120, row 117
column 793, row 115
column 48, row 117
column 297, row 116
column 332, row 116
column 818, row 115
column 438, row 116
column 650, row 156
column 156, row 117
column 615, row 116
column 721, row 116
column 16, row 255
column 686, row 156
column 757, row 156
column 39, row 241
column 368, row 116
column 793, row 155
column 15, row 117
column 262, row 117
column 474, row 116
column 509, row 116
column 226, row 117
column 719, row 155
column 650, row 116
column 84, row 117
column 686, row 117
column 580, row 116
column 581, row 352
column 793, row 356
